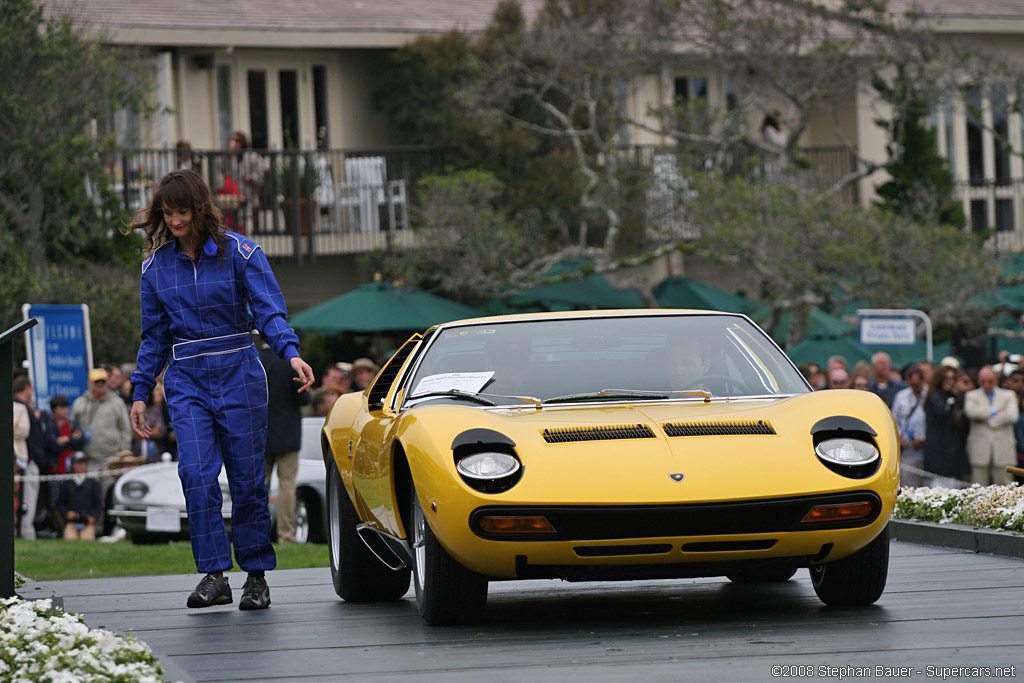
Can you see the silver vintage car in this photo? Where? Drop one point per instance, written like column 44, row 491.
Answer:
column 149, row 504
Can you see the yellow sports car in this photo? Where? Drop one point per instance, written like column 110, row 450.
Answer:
column 603, row 445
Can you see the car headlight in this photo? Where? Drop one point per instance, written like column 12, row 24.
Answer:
column 850, row 452
column 135, row 490
column 488, row 465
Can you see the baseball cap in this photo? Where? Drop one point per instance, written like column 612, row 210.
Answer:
column 79, row 456
column 98, row 374
column 364, row 363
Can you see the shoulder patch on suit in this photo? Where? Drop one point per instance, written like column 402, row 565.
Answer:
column 149, row 259
column 246, row 247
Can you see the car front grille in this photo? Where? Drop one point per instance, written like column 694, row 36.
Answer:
column 726, row 428
column 610, row 522
column 602, row 433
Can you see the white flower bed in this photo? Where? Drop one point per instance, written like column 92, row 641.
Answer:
column 994, row 507
column 41, row 643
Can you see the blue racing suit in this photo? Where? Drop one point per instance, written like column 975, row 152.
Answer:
column 197, row 318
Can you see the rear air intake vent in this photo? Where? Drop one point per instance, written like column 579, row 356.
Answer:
column 730, row 428
column 604, row 433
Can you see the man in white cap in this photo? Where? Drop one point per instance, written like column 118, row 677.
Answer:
column 104, row 419
column 363, row 372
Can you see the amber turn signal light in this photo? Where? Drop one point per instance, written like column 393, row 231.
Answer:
column 516, row 525
column 838, row 513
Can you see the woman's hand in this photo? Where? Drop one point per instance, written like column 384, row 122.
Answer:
column 138, row 419
column 305, row 373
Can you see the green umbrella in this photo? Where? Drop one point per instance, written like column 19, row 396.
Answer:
column 592, row 292
column 682, row 292
column 819, row 324
column 1006, row 333
column 380, row 307
column 820, row 349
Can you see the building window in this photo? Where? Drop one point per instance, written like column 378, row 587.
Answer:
column 1004, row 215
column 259, row 128
column 225, row 113
column 975, row 139
column 686, row 89
column 1001, row 131
column 979, row 215
column 323, row 140
column 289, row 89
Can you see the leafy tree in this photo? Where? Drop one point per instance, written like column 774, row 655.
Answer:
column 921, row 185
column 60, row 242
column 812, row 249
column 565, row 79
column 467, row 249
column 56, row 82
column 418, row 90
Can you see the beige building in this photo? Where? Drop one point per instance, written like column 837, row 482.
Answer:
column 302, row 73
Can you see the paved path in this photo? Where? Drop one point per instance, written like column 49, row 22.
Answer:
column 942, row 608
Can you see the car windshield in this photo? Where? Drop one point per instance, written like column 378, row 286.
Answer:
column 603, row 358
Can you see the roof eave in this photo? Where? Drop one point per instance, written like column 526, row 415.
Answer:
column 254, row 38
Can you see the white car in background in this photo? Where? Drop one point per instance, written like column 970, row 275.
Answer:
column 149, row 504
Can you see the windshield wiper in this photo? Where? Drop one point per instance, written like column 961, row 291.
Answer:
column 606, row 393
column 456, row 393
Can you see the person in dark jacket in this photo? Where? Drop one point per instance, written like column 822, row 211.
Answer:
column 944, row 452
column 63, row 436
column 79, row 501
column 284, row 437
column 35, row 445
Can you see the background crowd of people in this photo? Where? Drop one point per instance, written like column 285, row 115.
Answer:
column 91, row 442
column 957, row 426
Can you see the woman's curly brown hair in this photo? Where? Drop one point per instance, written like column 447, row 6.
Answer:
column 181, row 189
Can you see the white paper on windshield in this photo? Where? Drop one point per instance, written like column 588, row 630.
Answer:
column 470, row 382
column 163, row 519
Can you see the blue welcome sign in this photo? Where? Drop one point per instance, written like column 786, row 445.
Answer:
column 59, row 350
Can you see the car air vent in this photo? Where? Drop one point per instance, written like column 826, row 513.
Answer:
column 729, row 428
column 604, row 433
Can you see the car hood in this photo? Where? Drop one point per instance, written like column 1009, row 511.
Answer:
column 164, row 486
column 627, row 452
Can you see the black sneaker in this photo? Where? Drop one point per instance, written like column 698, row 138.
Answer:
column 211, row 591
column 255, row 593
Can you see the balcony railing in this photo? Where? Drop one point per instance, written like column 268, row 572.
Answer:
column 298, row 203
column 304, row 204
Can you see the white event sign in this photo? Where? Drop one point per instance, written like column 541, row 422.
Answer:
column 888, row 331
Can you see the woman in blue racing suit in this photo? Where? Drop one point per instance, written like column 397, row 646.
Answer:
column 204, row 289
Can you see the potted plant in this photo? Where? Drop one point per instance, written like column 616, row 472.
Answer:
column 296, row 172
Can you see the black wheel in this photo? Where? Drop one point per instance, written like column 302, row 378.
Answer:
column 357, row 574
column 855, row 580
column 446, row 592
column 301, row 520
column 766, row 575
column 316, row 515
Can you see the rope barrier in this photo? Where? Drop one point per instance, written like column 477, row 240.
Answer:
column 94, row 474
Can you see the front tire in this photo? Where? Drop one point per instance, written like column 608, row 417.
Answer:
column 301, row 521
column 856, row 580
column 357, row 574
column 447, row 593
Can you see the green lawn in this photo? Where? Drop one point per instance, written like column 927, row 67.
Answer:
column 57, row 559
